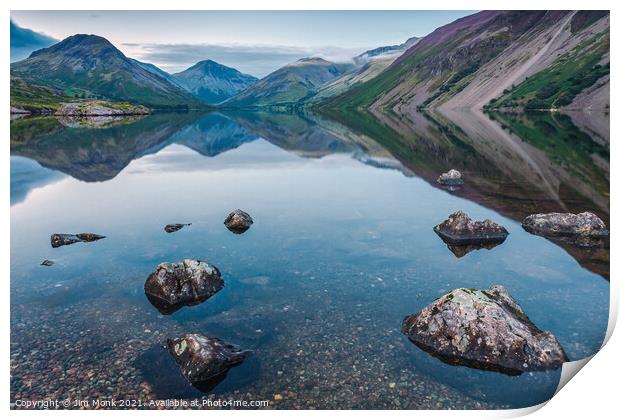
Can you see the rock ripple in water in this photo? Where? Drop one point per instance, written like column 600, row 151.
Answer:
column 187, row 283
column 203, row 358
column 238, row 221
column 61, row 239
column 485, row 329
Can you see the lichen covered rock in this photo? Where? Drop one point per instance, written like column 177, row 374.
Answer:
column 203, row 358
column 238, row 221
column 451, row 178
column 61, row 239
column 585, row 228
column 187, row 283
column 460, row 229
column 485, row 329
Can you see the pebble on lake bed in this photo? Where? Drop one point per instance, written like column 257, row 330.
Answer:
column 61, row 239
column 485, row 329
column 238, row 221
column 175, row 227
column 203, row 358
column 186, row 283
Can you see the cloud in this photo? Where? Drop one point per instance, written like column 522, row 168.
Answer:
column 24, row 41
column 257, row 60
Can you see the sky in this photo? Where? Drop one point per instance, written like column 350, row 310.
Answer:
column 254, row 42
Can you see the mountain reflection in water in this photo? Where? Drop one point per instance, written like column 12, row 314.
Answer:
column 341, row 249
column 515, row 164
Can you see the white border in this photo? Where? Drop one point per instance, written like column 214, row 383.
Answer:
column 592, row 395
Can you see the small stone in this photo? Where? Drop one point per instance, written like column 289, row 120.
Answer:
column 203, row 358
column 238, row 221
column 187, row 283
column 585, row 229
column 175, row 227
column 392, row 385
column 278, row 397
column 451, row 178
column 61, row 239
column 460, row 230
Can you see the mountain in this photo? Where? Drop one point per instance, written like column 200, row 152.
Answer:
column 369, row 64
column 496, row 57
column 213, row 82
column 90, row 66
column 159, row 72
column 25, row 41
column 383, row 52
column 289, row 85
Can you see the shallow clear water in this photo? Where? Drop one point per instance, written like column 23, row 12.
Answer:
column 342, row 249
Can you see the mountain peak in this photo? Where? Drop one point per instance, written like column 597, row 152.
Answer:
column 213, row 82
column 206, row 62
column 86, row 43
column 94, row 67
column 317, row 60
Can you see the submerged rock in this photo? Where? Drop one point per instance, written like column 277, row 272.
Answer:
column 585, row 229
column 451, row 178
column 460, row 229
column 61, row 239
column 187, row 283
column 485, row 329
column 47, row 263
column 203, row 358
column 175, row 227
column 238, row 221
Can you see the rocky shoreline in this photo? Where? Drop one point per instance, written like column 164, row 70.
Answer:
column 83, row 109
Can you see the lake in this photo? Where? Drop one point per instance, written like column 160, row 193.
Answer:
column 341, row 250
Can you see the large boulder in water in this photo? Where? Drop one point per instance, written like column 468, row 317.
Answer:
column 485, row 329
column 452, row 178
column 238, row 221
column 204, row 359
column 584, row 229
column 174, row 285
column 61, row 239
column 460, row 229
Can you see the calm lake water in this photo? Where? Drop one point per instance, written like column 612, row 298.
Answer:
column 342, row 249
